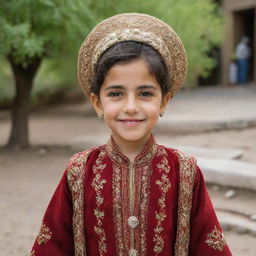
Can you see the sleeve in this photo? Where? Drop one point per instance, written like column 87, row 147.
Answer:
column 55, row 237
column 206, row 236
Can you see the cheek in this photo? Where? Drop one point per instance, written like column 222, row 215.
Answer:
column 110, row 108
column 152, row 108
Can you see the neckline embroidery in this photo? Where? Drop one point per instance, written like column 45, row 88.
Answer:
column 143, row 158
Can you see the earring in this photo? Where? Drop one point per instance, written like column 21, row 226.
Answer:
column 100, row 115
column 161, row 114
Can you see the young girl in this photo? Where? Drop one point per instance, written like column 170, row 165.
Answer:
column 131, row 196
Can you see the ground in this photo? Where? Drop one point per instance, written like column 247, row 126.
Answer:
column 28, row 178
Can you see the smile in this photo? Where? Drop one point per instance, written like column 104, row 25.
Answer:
column 131, row 122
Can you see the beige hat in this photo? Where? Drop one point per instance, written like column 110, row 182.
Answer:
column 132, row 27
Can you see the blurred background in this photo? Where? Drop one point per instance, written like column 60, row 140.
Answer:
column 45, row 118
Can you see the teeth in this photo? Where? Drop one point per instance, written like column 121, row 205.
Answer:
column 131, row 121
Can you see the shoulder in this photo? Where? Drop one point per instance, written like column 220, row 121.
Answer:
column 178, row 155
column 77, row 163
column 81, row 158
column 186, row 163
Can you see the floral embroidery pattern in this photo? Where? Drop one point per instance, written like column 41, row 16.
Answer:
column 216, row 239
column 127, row 238
column 98, row 184
column 117, row 207
column 187, row 177
column 146, row 172
column 75, row 177
column 44, row 234
column 164, row 185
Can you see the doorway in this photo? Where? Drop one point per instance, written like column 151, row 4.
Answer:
column 244, row 25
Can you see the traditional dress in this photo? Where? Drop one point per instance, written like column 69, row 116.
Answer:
column 107, row 205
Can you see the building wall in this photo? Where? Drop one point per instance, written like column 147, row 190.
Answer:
column 233, row 5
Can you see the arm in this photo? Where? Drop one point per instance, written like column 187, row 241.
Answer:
column 206, row 234
column 56, row 236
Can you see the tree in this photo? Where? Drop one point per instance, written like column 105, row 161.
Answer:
column 31, row 31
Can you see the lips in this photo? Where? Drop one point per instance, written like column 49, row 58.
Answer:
column 131, row 122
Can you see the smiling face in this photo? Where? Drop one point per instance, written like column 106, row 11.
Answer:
column 131, row 101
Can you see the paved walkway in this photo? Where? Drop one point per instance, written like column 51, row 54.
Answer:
column 210, row 109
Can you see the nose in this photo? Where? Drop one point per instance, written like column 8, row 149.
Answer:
column 131, row 105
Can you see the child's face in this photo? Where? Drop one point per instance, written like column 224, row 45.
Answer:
column 131, row 101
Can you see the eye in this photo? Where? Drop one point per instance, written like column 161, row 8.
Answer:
column 145, row 94
column 114, row 94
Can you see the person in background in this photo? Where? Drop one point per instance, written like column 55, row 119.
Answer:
column 243, row 53
column 233, row 71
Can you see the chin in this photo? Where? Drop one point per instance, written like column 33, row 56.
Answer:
column 132, row 138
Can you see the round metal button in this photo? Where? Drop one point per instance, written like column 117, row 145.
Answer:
column 133, row 222
column 133, row 252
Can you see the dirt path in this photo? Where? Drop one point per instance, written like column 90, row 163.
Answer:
column 28, row 179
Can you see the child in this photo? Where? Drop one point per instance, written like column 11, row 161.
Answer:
column 233, row 72
column 131, row 196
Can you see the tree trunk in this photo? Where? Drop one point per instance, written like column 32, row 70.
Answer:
column 24, row 76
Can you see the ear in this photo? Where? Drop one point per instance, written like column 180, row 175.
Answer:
column 95, row 100
column 165, row 100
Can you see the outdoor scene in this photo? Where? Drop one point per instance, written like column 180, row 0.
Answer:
column 45, row 118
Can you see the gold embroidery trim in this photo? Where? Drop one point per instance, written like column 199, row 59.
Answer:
column 216, row 239
column 44, row 234
column 146, row 172
column 98, row 184
column 121, row 202
column 75, row 177
column 160, row 215
column 187, row 178
column 117, row 208
column 127, row 238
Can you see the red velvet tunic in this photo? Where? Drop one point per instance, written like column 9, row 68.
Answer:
column 106, row 205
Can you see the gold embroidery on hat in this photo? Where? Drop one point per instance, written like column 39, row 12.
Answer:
column 127, row 35
column 133, row 27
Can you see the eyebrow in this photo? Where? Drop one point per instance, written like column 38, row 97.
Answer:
column 141, row 87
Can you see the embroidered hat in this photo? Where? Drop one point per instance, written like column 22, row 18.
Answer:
column 132, row 27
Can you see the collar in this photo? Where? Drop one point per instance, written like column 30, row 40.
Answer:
column 144, row 157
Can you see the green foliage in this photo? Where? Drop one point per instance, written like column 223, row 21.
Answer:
column 199, row 23
column 6, row 83
column 54, row 30
column 40, row 28
column 49, row 29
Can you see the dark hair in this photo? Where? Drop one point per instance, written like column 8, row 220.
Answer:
column 128, row 51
